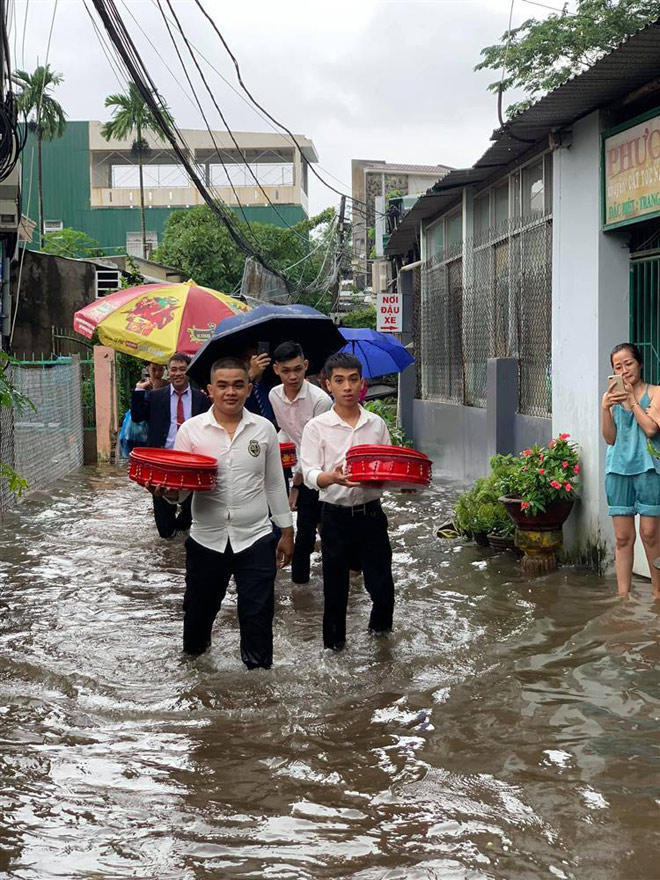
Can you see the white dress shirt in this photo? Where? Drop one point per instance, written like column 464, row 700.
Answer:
column 250, row 480
column 293, row 415
column 325, row 442
column 186, row 397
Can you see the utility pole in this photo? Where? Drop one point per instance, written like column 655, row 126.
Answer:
column 340, row 246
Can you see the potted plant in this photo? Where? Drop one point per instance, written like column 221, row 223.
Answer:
column 480, row 515
column 466, row 515
column 538, row 490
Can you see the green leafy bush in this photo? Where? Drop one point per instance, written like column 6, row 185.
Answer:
column 478, row 510
column 386, row 409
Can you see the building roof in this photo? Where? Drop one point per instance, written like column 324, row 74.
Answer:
column 628, row 67
column 389, row 167
column 201, row 139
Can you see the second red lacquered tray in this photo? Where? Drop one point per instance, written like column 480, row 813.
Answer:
column 396, row 466
column 288, row 455
column 172, row 469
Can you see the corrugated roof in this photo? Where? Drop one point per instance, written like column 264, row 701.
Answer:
column 409, row 169
column 627, row 67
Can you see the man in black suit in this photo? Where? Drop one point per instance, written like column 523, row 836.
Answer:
column 166, row 409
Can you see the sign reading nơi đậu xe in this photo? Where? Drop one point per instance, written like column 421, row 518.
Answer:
column 631, row 172
column 388, row 313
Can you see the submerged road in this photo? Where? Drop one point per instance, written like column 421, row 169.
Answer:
column 505, row 730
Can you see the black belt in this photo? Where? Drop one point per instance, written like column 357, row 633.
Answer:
column 355, row 510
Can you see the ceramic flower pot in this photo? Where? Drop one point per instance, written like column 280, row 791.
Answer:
column 539, row 535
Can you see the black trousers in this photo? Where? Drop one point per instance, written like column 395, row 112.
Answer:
column 207, row 577
column 307, row 520
column 348, row 535
column 171, row 518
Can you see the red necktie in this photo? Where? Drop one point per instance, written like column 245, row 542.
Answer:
column 180, row 417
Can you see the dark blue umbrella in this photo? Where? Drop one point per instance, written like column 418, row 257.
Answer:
column 380, row 353
column 269, row 324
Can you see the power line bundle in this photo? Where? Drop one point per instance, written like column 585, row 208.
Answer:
column 127, row 51
column 12, row 136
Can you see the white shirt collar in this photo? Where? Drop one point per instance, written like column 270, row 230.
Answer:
column 210, row 419
column 301, row 395
column 336, row 419
column 174, row 391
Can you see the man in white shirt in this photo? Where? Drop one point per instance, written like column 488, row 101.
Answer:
column 353, row 524
column 295, row 402
column 232, row 533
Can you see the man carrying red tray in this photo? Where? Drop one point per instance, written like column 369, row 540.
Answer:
column 232, row 533
column 353, row 524
column 295, row 402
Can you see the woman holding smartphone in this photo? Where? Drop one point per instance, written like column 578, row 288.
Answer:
column 632, row 480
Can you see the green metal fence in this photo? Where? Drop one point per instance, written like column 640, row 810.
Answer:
column 645, row 313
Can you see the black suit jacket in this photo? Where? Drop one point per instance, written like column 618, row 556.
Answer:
column 154, row 408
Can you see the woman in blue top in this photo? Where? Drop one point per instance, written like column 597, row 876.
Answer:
column 632, row 481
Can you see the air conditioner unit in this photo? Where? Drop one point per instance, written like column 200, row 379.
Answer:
column 10, row 189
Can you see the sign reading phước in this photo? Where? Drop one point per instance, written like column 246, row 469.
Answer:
column 631, row 168
column 388, row 312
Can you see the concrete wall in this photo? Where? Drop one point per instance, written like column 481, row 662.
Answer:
column 51, row 290
column 589, row 316
column 457, row 437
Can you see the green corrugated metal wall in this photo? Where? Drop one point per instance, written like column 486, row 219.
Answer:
column 67, row 194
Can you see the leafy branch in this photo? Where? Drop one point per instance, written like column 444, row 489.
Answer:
column 540, row 55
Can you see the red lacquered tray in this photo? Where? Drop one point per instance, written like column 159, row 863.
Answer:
column 396, row 466
column 288, row 454
column 172, row 469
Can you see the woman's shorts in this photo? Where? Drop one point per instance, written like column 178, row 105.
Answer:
column 628, row 494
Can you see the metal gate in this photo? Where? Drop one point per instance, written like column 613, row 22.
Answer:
column 645, row 312
column 66, row 343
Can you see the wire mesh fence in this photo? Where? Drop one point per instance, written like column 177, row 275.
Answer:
column 6, row 447
column 493, row 301
column 46, row 443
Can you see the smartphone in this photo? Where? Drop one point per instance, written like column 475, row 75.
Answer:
column 618, row 383
column 263, row 348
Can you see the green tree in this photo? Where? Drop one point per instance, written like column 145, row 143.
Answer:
column 132, row 117
column 10, row 397
column 72, row 243
column 46, row 118
column 198, row 244
column 540, row 55
column 360, row 318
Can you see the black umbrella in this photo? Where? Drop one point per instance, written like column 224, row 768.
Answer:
column 315, row 331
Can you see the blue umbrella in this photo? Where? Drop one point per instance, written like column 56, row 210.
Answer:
column 380, row 353
column 269, row 324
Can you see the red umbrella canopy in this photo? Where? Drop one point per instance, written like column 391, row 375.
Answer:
column 152, row 321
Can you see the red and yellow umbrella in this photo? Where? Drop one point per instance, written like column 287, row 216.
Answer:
column 153, row 321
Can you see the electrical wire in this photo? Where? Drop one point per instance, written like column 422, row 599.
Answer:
column 270, row 116
column 119, row 75
column 222, row 117
column 206, row 123
column 121, row 39
column 273, row 128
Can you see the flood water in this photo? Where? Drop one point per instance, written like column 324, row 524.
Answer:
column 506, row 729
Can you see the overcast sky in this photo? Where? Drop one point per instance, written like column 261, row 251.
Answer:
column 381, row 79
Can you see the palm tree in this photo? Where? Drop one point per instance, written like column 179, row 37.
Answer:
column 46, row 118
column 131, row 115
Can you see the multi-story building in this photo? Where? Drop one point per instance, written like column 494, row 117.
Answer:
column 92, row 184
column 372, row 181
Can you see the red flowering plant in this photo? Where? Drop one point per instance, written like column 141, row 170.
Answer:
column 542, row 474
